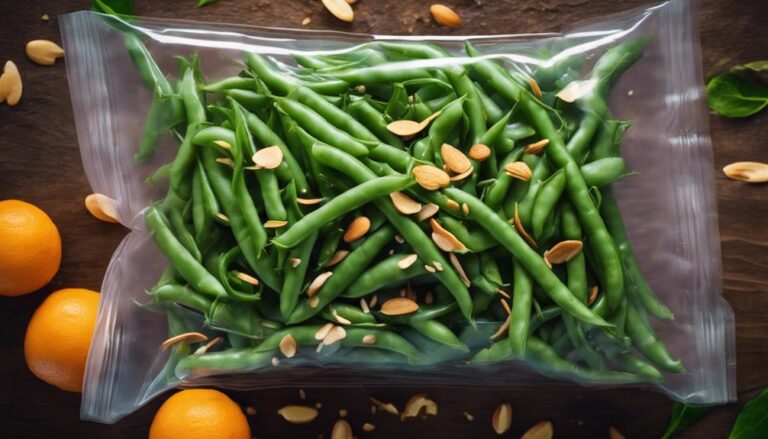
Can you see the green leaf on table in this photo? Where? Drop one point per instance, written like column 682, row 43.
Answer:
column 683, row 416
column 733, row 96
column 752, row 422
column 113, row 7
column 201, row 3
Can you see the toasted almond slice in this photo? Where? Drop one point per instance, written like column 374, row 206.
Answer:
column 398, row 306
column 750, row 172
column 374, row 301
column 417, row 404
column 430, row 268
column 298, row 414
column 268, row 158
column 250, row 411
column 521, row 230
column 450, row 243
column 309, row 201
column 341, row 430
column 564, row 251
column 463, row 175
column 360, row 89
column 459, row 269
column 452, row 204
column 399, row 239
column 275, row 361
column 225, row 161
column 222, row 217
column 314, row 302
column 369, row 339
column 503, row 294
column 445, row 15
column 576, row 90
column 223, row 144
column 546, row 259
column 438, row 266
column 302, row 394
column 505, row 305
column 357, row 228
column 340, row 9
column 502, row 329
column 542, row 430
column 479, row 152
column 454, row 159
column 386, row 406
column 45, row 17
column 502, row 418
column 295, row 262
column 404, row 127
column 430, row 177
column 364, row 305
column 306, row 21
column 368, row 427
column 189, row 337
column 468, row 416
column 519, row 170
column 593, row 294
column 536, row 147
column 337, row 257
column 407, row 261
column 288, row 345
column 535, row 87
column 614, row 433
column 10, row 84
column 318, row 282
column 340, row 319
column 102, row 207
column 247, row 278
column 204, row 348
column 335, row 334
column 323, row 331
column 465, row 208
column 427, row 211
column 44, row 52
column 405, row 204
column 275, row 224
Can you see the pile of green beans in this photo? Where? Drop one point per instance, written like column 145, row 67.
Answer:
column 310, row 259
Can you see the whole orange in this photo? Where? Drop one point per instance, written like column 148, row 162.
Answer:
column 59, row 336
column 30, row 248
column 200, row 414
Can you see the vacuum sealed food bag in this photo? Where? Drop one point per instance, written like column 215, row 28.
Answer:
column 313, row 208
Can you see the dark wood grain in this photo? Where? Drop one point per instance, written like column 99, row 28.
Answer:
column 40, row 163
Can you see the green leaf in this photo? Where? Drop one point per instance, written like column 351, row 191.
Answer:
column 683, row 416
column 752, row 422
column 201, row 3
column 113, row 7
column 732, row 96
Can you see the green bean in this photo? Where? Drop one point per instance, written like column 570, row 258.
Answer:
column 636, row 365
column 604, row 171
column 240, row 360
column 546, row 357
column 647, row 341
column 183, row 234
column 521, row 309
column 251, row 100
column 387, row 272
column 230, row 83
column 498, row 189
column 546, row 199
column 477, row 240
column 425, row 312
column 442, row 126
column 608, row 139
column 283, row 84
column 372, row 119
column 436, row 331
column 183, row 295
column 397, row 72
column 397, row 106
column 344, row 313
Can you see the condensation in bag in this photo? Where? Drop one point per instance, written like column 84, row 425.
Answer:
column 668, row 208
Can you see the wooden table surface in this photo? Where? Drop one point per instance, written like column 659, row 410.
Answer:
column 40, row 163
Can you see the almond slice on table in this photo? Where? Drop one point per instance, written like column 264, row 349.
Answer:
column 502, row 418
column 407, row 261
column 10, row 83
column 427, row 211
column 340, row 9
column 288, row 345
column 454, row 159
column 430, row 177
column 444, row 239
column 405, row 204
column 417, row 404
column 268, row 158
column 519, row 170
column 479, row 152
column 341, row 430
column 536, row 147
column 44, row 52
column 298, row 414
column 542, row 430
column 102, row 207
column 189, row 337
column 357, row 228
column 576, row 90
column 398, row 306
column 318, row 282
column 564, row 251
column 408, row 128
column 386, row 406
column 445, row 15
column 750, row 172
column 614, row 433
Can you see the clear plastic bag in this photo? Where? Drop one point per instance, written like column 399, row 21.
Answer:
column 668, row 209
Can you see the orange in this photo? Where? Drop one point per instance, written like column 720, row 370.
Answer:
column 30, row 248
column 200, row 414
column 59, row 335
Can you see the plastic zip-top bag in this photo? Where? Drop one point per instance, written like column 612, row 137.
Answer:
column 321, row 209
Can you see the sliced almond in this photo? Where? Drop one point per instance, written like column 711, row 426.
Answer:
column 341, row 430
column 542, row 430
column 576, row 90
column 247, row 278
column 463, row 175
column 398, row 306
column 323, row 331
column 309, row 201
column 614, row 433
column 502, row 418
column 340, row 319
column 468, row 416
column 505, row 305
column 364, row 305
column 298, row 414
column 102, row 207
column 335, row 334
column 452, row 204
column 399, row 239
column 374, row 301
column 223, row 144
column 268, row 158
column 459, row 269
column 535, row 87
column 405, row 204
column 465, row 208
column 503, row 294
column 445, row 15
column 357, row 228
column 407, row 261
column 444, row 239
column 250, row 411
column 45, row 17
column 479, row 152
column 225, row 161
column 521, row 230
column 546, row 260
column 204, row 348
column 10, row 84
column 417, row 404
column 536, row 147
column 427, row 211
column 408, row 128
column 430, row 177
column 337, row 257
column 368, row 427
column 314, row 302
column 318, row 282
column 564, row 251
column 502, row 329
column 519, row 170
column 288, row 345
column 295, row 262
column 275, row 224
column 340, row 9
column 750, row 172
column 430, row 268
column 454, row 159
column 222, row 217
column 189, row 337
column 44, row 52
column 386, row 406
column 306, row 21
column 438, row 266
column 593, row 294
column 369, row 339
column 360, row 89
